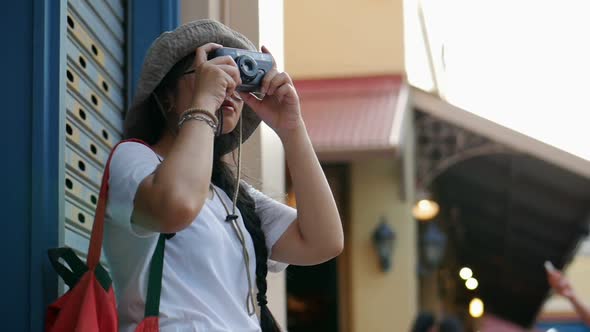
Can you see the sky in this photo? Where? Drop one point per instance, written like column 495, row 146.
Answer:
column 523, row 64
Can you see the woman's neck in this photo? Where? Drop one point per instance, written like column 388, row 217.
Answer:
column 164, row 145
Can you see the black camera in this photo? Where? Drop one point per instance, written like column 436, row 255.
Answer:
column 252, row 65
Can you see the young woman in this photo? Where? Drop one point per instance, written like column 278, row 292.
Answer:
column 188, row 110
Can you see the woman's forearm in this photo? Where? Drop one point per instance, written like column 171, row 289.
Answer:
column 317, row 214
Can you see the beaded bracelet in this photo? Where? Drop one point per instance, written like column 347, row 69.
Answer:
column 194, row 110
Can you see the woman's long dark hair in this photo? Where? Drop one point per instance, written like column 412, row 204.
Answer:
column 151, row 129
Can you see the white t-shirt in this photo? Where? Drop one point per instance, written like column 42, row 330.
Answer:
column 204, row 283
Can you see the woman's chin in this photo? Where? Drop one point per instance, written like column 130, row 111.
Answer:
column 230, row 119
column 228, row 126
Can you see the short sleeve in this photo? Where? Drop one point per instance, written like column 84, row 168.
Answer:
column 130, row 164
column 275, row 218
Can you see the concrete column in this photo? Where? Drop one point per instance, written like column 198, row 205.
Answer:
column 264, row 162
column 197, row 9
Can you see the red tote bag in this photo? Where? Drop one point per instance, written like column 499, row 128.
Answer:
column 89, row 305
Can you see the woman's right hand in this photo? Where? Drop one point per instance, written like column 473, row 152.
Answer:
column 213, row 79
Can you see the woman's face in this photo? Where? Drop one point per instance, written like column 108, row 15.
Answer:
column 230, row 109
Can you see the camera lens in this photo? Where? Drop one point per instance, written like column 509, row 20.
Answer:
column 248, row 67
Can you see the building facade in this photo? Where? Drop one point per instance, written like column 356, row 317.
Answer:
column 347, row 61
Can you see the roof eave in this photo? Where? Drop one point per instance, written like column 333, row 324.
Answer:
column 441, row 109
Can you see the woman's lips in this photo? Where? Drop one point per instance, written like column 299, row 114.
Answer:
column 228, row 106
column 227, row 109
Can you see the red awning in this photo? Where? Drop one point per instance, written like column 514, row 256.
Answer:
column 352, row 117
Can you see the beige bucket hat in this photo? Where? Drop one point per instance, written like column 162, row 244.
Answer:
column 169, row 48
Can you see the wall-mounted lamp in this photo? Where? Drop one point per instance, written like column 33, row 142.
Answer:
column 434, row 242
column 425, row 207
column 384, row 240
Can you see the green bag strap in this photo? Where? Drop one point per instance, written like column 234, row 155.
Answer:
column 76, row 268
column 72, row 273
column 152, row 303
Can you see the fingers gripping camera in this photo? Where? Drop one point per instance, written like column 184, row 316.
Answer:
column 252, row 65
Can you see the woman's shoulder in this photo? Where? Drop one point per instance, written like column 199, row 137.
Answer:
column 250, row 189
column 132, row 147
column 133, row 150
column 260, row 197
column 131, row 155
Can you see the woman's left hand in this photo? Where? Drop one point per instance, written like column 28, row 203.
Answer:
column 279, row 108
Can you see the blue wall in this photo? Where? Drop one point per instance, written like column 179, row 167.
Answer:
column 15, row 191
column 31, row 191
column 30, row 134
column 146, row 20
